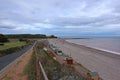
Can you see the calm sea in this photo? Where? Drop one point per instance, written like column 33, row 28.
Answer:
column 106, row 44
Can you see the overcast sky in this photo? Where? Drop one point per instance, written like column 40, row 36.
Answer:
column 60, row 17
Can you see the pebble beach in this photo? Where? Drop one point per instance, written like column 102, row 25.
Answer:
column 107, row 65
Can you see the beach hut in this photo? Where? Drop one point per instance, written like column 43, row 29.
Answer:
column 54, row 48
column 59, row 52
column 93, row 76
column 69, row 60
column 65, row 57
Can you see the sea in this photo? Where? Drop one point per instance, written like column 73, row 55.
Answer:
column 111, row 44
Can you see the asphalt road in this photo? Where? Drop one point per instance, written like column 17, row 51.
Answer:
column 5, row 60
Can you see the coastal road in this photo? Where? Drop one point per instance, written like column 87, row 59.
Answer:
column 5, row 60
column 106, row 64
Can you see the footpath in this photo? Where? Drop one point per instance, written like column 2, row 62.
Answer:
column 15, row 71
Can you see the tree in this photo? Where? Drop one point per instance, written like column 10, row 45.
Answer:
column 52, row 36
column 26, row 36
column 3, row 38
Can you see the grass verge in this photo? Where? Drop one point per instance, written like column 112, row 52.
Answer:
column 30, row 68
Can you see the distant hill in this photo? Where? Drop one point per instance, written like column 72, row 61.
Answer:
column 29, row 36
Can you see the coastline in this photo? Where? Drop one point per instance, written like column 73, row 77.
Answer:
column 95, row 47
column 106, row 64
column 103, row 51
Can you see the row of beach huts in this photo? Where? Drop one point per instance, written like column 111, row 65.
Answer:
column 59, row 52
column 69, row 60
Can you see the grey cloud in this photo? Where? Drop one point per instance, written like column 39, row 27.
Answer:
column 76, row 13
column 7, row 27
column 88, row 21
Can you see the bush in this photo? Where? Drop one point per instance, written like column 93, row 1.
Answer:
column 3, row 38
column 11, row 50
column 1, row 44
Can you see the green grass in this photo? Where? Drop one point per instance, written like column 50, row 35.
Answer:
column 12, row 44
column 30, row 69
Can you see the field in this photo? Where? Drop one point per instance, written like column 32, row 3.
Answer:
column 12, row 44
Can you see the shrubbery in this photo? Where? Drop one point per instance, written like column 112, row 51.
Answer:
column 11, row 50
column 1, row 44
column 3, row 38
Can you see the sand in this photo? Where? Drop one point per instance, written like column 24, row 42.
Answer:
column 106, row 64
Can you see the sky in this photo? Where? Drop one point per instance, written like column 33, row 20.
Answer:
column 60, row 17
